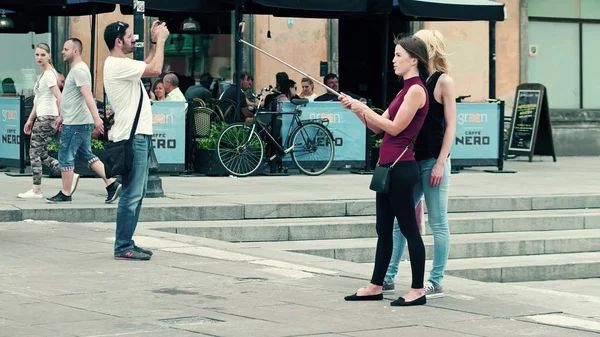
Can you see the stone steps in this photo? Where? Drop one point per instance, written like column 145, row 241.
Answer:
column 509, row 269
column 528, row 268
column 178, row 210
column 493, row 245
column 464, row 246
column 326, row 228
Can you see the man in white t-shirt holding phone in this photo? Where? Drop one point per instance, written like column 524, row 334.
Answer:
column 122, row 82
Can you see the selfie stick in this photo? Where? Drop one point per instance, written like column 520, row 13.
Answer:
column 242, row 24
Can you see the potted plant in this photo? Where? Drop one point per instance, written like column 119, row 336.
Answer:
column 206, row 160
column 80, row 167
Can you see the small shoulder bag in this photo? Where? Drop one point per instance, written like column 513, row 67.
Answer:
column 118, row 160
column 380, row 182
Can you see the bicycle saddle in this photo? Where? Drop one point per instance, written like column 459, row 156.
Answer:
column 300, row 101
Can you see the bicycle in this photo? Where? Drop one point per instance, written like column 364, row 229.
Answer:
column 241, row 149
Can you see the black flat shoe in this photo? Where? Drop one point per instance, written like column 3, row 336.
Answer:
column 355, row 297
column 401, row 302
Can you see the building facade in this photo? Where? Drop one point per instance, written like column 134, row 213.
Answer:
column 541, row 41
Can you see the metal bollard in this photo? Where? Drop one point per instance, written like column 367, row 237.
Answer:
column 154, row 187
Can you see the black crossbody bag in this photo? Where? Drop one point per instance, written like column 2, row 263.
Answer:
column 119, row 155
column 380, row 182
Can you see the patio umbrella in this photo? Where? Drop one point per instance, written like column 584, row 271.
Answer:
column 160, row 8
column 461, row 10
column 60, row 7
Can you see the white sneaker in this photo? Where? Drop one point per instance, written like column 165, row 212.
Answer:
column 74, row 183
column 30, row 195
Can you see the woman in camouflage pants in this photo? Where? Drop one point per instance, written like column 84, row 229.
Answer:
column 40, row 124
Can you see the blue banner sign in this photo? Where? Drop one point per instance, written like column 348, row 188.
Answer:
column 477, row 131
column 168, row 139
column 10, row 127
column 348, row 131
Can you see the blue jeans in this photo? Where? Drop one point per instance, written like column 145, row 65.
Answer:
column 132, row 194
column 75, row 140
column 436, row 199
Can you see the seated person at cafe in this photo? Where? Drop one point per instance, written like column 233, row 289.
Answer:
column 202, row 89
column 232, row 94
column 332, row 81
column 174, row 94
column 269, row 101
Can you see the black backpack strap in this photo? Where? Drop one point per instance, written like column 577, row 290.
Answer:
column 137, row 114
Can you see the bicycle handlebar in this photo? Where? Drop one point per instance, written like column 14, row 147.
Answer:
column 461, row 98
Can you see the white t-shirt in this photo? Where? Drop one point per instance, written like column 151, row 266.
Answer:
column 72, row 103
column 44, row 100
column 122, row 81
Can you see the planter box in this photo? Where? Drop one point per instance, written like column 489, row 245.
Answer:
column 206, row 161
column 81, row 168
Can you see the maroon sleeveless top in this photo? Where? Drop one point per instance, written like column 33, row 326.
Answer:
column 392, row 146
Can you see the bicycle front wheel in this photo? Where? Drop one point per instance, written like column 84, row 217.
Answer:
column 240, row 149
column 313, row 148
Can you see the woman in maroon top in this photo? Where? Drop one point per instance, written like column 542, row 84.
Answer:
column 401, row 123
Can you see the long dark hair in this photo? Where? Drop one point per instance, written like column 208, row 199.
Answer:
column 416, row 48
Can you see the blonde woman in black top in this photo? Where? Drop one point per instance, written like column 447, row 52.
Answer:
column 432, row 152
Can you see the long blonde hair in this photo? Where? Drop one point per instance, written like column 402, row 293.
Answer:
column 436, row 49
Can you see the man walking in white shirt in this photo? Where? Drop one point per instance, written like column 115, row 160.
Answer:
column 79, row 118
column 122, row 82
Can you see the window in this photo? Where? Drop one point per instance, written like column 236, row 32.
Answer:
column 591, row 65
column 556, row 65
column 564, row 34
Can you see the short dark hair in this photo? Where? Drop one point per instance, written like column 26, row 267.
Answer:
column 281, row 77
column 77, row 42
column 113, row 31
column 243, row 75
column 329, row 77
column 206, row 79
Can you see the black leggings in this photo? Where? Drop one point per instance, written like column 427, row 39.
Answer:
column 399, row 203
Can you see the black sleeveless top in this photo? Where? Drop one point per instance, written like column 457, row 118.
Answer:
column 430, row 138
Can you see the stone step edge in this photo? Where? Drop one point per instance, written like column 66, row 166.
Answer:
column 370, row 219
column 527, row 268
column 296, row 209
column 500, row 238
column 520, row 268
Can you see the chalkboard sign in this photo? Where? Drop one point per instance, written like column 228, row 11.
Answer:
column 531, row 130
column 524, row 119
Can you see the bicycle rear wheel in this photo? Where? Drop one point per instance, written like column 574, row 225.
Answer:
column 314, row 148
column 240, row 149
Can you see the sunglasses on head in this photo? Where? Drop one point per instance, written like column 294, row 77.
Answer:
column 121, row 28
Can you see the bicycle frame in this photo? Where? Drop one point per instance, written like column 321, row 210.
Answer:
column 296, row 119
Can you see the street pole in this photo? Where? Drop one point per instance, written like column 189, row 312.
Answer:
column 492, row 59
column 154, row 187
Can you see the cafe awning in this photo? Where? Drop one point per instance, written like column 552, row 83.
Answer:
column 460, row 10
column 431, row 10
column 317, row 8
column 60, row 7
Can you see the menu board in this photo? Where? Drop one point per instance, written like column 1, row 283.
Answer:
column 524, row 120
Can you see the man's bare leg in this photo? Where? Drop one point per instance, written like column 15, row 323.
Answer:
column 98, row 167
column 67, row 181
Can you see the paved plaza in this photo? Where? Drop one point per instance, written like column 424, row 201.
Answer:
column 59, row 279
